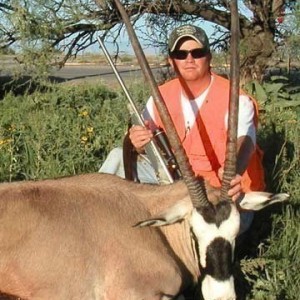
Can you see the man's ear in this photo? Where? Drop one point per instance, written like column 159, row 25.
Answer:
column 171, row 62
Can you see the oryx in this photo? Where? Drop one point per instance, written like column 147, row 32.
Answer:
column 77, row 238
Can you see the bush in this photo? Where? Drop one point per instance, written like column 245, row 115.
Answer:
column 67, row 130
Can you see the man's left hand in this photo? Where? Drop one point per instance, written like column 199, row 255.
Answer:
column 235, row 190
column 235, row 187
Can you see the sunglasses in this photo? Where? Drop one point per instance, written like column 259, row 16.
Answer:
column 183, row 54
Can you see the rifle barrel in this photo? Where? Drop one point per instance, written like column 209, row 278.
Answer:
column 152, row 151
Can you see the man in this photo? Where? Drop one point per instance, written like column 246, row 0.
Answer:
column 197, row 100
column 198, row 103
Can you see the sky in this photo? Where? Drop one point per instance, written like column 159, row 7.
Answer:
column 125, row 45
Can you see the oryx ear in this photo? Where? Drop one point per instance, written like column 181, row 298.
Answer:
column 260, row 200
column 173, row 214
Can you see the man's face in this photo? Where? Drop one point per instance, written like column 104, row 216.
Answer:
column 191, row 69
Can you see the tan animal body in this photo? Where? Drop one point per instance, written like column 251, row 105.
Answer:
column 74, row 238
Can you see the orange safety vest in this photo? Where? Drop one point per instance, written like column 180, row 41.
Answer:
column 205, row 144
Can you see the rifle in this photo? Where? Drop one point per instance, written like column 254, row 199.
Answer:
column 162, row 159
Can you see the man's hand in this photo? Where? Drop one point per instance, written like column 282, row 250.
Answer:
column 140, row 136
column 235, row 185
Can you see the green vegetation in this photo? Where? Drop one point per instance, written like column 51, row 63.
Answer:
column 69, row 130
column 272, row 259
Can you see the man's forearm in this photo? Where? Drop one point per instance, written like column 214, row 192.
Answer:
column 245, row 150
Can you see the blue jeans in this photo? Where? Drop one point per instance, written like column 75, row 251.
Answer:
column 114, row 165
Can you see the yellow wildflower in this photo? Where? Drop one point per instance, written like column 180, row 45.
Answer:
column 84, row 113
column 83, row 139
column 90, row 129
column 5, row 141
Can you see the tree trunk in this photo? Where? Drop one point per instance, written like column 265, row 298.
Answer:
column 257, row 48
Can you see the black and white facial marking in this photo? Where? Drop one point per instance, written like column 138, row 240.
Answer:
column 215, row 229
column 215, row 232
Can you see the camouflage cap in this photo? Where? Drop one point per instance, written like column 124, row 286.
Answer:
column 192, row 31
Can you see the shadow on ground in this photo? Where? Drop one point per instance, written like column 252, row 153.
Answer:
column 24, row 84
column 27, row 84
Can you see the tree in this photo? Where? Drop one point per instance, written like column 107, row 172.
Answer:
column 291, row 34
column 40, row 28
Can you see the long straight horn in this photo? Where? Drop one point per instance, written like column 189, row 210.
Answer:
column 231, row 146
column 196, row 189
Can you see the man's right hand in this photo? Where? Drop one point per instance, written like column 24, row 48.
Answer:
column 140, row 136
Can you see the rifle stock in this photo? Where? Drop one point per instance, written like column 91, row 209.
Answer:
column 157, row 160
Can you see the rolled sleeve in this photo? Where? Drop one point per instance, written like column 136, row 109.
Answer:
column 246, row 118
column 246, row 124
